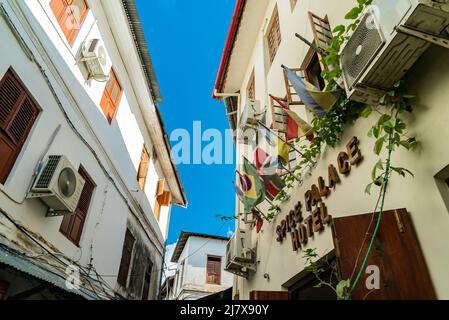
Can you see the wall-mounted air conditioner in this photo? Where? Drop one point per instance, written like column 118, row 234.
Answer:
column 382, row 48
column 249, row 121
column 240, row 256
column 94, row 56
column 59, row 185
column 251, row 114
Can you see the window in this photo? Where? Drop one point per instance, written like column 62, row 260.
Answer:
column 143, row 168
column 70, row 15
column 273, row 35
column 312, row 70
column 162, row 198
column 125, row 262
column 213, row 270
column 322, row 31
column 72, row 225
column 293, row 4
column 251, row 89
column 17, row 115
column 147, row 281
column 111, row 97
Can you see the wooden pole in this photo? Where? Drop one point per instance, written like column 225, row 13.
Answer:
column 312, row 45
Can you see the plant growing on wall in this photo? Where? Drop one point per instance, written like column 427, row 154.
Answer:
column 389, row 131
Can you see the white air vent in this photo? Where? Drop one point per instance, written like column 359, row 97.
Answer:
column 377, row 55
column 59, row 185
column 96, row 60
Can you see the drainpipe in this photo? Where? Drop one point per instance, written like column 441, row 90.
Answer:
column 225, row 95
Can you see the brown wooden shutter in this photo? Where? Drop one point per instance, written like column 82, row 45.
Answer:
column 72, row 225
column 17, row 115
column 274, row 35
column 322, row 31
column 269, row 295
column 125, row 262
column 160, row 187
column 396, row 251
column 147, row 282
column 68, row 20
column 143, row 168
column 111, row 97
column 213, row 270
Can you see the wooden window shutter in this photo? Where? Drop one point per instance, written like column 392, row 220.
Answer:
column 213, row 270
column 143, row 168
column 322, row 31
column 160, row 187
column 17, row 115
column 274, row 35
column 70, row 14
column 147, row 281
column 397, row 254
column 164, row 199
column 72, row 225
column 125, row 262
column 251, row 88
column 111, row 97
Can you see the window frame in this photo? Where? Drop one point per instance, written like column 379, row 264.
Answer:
column 6, row 136
column 122, row 276
column 273, row 30
column 251, row 86
column 219, row 261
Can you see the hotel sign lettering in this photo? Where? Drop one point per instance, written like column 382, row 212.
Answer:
column 302, row 228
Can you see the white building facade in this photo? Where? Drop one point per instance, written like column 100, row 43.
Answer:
column 261, row 39
column 108, row 126
column 200, row 261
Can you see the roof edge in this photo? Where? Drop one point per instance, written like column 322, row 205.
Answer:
column 142, row 48
column 229, row 46
column 184, row 236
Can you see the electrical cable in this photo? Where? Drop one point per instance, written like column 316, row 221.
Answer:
column 384, row 191
column 20, row 228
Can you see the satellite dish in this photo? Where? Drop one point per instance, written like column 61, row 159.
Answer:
column 67, row 182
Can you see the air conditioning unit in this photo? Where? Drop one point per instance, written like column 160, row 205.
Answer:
column 249, row 119
column 240, row 256
column 385, row 44
column 59, row 185
column 96, row 60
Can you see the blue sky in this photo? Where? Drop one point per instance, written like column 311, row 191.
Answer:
column 186, row 40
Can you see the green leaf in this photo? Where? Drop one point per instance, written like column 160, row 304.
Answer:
column 339, row 29
column 378, row 145
column 353, row 13
column 366, row 112
column 342, row 288
column 368, row 188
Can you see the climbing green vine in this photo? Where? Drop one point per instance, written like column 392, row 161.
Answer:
column 389, row 131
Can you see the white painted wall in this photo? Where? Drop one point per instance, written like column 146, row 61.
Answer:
column 420, row 196
column 194, row 257
column 117, row 146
